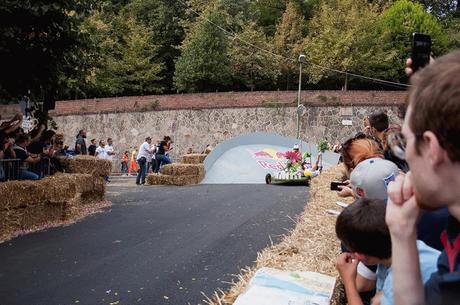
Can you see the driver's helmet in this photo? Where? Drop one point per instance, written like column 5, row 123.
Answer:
column 295, row 147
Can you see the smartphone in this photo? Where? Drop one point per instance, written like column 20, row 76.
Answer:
column 421, row 50
column 335, row 185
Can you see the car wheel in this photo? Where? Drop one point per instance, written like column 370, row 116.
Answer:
column 268, row 179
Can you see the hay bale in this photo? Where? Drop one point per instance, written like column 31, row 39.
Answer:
column 179, row 169
column 193, row 158
column 20, row 194
column 160, row 179
column 87, row 165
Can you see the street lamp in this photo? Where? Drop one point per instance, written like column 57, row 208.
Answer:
column 302, row 60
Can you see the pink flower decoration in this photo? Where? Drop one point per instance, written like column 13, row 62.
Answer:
column 293, row 156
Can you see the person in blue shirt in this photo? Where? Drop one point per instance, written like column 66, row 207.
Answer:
column 362, row 229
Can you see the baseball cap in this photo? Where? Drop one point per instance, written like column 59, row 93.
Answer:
column 296, row 146
column 373, row 176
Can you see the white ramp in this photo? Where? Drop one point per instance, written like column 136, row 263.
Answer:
column 248, row 158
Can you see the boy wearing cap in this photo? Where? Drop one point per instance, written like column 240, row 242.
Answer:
column 361, row 228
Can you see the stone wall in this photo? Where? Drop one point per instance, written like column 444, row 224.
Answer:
column 196, row 128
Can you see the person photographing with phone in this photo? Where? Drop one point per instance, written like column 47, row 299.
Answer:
column 432, row 149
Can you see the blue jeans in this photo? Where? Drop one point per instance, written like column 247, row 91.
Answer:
column 27, row 175
column 161, row 160
column 142, row 162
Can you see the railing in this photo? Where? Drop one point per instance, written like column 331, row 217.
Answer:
column 10, row 168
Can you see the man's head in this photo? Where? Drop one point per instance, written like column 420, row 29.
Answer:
column 23, row 140
column 93, row 141
column 101, row 143
column 379, row 121
column 82, row 133
column 371, row 177
column 109, row 141
column 148, row 140
column 362, row 229
column 432, row 128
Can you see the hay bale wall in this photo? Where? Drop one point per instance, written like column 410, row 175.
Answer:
column 311, row 246
column 193, row 158
column 26, row 205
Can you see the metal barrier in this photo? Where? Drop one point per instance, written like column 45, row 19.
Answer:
column 9, row 169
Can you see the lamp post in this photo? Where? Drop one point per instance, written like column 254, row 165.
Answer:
column 302, row 60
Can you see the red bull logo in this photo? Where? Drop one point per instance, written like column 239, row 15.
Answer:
column 269, row 159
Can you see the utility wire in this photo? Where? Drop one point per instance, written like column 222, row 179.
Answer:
column 376, row 80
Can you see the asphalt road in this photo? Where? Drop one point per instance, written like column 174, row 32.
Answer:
column 155, row 245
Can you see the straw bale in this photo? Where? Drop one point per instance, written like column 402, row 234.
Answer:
column 160, row 179
column 20, row 193
column 311, row 246
column 87, row 165
column 193, row 158
column 180, row 169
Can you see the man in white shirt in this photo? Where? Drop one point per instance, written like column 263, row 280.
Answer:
column 101, row 153
column 109, row 149
column 145, row 153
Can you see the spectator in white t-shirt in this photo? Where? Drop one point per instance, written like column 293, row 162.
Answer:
column 145, row 153
column 101, row 153
column 110, row 152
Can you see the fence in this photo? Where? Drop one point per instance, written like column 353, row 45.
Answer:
column 10, row 169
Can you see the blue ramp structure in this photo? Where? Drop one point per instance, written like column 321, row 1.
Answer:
column 248, row 158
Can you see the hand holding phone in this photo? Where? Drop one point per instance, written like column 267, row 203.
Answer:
column 335, row 185
column 421, row 51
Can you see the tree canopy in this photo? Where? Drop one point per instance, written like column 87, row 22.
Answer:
column 80, row 49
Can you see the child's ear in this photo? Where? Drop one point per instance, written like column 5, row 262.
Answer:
column 360, row 192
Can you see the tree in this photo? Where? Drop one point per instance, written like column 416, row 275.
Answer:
column 126, row 63
column 39, row 41
column 250, row 65
column 399, row 22
column 162, row 18
column 344, row 35
column 287, row 40
column 204, row 64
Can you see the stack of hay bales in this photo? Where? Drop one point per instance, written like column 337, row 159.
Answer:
column 190, row 171
column 27, row 205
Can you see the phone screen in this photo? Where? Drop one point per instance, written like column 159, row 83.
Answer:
column 421, row 50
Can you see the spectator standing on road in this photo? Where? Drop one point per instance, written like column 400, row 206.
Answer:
column 101, row 153
column 80, row 143
column 109, row 150
column 132, row 162
column 124, row 163
column 145, row 151
column 92, row 148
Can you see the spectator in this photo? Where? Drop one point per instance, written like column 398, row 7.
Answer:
column 92, row 148
column 110, row 152
column 361, row 228
column 101, row 153
column 431, row 130
column 124, row 163
column 378, row 123
column 20, row 151
column 133, row 162
column 80, row 143
column 161, row 157
column 144, row 151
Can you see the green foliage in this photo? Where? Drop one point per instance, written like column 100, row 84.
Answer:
column 39, row 42
column 345, row 35
column 251, row 66
column 125, row 65
column 323, row 146
column 288, row 39
column 398, row 23
column 204, row 65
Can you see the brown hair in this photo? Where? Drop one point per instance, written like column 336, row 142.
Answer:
column 361, row 227
column 435, row 102
column 359, row 150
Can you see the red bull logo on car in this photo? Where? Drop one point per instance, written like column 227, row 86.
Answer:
column 269, row 159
